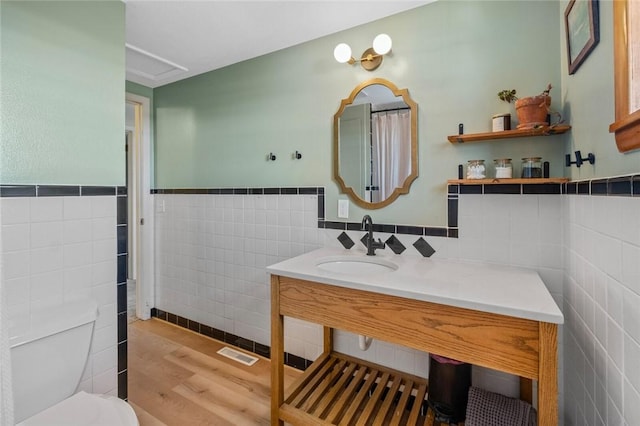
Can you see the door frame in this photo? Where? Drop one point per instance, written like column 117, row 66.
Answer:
column 141, row 156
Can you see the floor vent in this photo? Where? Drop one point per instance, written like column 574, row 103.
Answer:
column 238, row 356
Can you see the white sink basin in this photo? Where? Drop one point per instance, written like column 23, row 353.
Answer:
column 356, row 265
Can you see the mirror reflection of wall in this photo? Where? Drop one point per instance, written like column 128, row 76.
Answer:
column 355, row 149
column 376, row 146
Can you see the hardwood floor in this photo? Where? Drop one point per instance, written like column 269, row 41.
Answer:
column 177, row 378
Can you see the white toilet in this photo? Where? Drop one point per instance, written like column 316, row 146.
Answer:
column 48, row 357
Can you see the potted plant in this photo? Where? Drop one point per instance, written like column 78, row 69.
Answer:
column 532, row 111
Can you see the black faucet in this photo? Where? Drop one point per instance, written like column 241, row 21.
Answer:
column 372, row 245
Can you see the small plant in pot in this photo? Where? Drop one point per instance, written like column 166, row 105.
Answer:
column 532, row 111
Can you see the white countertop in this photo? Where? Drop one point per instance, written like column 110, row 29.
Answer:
column 506, row 290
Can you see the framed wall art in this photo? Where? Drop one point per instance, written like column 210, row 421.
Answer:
column 582, row 30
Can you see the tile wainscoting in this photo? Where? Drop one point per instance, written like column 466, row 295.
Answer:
column 213, row 251
column 212, row 246
column 64, row 242
column 601, row 223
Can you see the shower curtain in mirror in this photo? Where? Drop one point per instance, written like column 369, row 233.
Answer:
column 391, row 151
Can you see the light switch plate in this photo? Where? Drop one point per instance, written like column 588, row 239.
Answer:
column 343, row 209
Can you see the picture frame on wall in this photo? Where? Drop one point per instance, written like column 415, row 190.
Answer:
column 582, row 30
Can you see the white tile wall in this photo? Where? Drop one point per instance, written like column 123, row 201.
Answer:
column 601, row 305
column 56, row 249
column 212, row 251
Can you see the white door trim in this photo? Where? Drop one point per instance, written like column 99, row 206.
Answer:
column 144, row 223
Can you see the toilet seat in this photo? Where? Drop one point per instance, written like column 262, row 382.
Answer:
column 85, row 409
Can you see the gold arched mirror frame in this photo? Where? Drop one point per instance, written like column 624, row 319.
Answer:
column 413, row 173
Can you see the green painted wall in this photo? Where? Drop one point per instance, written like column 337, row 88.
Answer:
column 62, row 97
column 139, row 89
column 588, row 100
column 215, row 130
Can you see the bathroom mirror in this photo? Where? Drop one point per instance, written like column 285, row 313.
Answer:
column 375, row 148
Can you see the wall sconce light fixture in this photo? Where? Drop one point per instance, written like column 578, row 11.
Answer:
column 371, row 58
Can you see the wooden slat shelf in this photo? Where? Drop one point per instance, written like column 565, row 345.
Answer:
column 516, row 181
column 509, row 134
column 341, row 390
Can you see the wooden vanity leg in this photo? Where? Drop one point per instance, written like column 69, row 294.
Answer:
column 327, row 339
column 277, row 353
column 548, row 375
column 526, row 389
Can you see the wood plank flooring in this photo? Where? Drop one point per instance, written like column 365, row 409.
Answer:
column 177, row 378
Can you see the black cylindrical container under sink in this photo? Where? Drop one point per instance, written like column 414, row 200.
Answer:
column 449, row 383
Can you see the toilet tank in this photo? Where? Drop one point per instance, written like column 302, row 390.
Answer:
column 49, row 351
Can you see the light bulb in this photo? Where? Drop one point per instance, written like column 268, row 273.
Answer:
column 382, row 44
column 342, row 53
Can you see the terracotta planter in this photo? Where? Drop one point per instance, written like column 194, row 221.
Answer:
column 532, row 111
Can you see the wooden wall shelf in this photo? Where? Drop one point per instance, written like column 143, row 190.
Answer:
column 509, row 134
column 516, row 181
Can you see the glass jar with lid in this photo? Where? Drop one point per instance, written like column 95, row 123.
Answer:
column 531, row 167
column 476, row 169
column 504, row 168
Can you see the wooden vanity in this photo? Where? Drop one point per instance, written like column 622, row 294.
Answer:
column 337, row 387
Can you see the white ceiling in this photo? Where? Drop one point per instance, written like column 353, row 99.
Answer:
column 169, row 41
